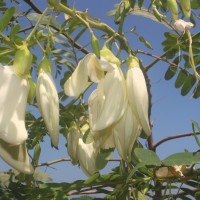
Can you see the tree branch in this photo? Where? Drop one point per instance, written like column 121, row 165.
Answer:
column 174, row 137
column 33, row 6
column 69, row 159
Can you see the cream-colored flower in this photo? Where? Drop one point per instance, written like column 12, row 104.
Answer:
column 126, row 132
column 113, row 100
column 14, row 92
column 48, row 102
column 87, row 157
column 182, row 25
column 89, row 68
column 138, row 94
column 16, row 156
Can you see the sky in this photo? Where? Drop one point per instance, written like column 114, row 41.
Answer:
column 171, row 112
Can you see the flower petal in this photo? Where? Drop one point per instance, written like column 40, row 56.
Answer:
column 16, row 156
column 14, row 92
column 87, row 156
column 78, row 81
column 115, row 100
column 138, row 97
column 126, row 132
column 47, row 98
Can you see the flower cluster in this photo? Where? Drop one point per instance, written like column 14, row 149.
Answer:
column 117, row 108
column 17, row 88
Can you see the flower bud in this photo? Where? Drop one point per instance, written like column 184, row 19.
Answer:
column 137, row 93
column 72, row 142
column 32, row 90
column 185, row 6
column 173, row 7
column 95, row 45
column 22, row 61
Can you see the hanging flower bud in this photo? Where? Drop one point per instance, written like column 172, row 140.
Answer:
column 182, row 25
column 114, row 105
column 47, row 98
column 126, row 132
column 173, row 7
column 32, row 90
column 137, row 93
column 186, row 8
column 72, row 142
column 14, row 92
column 22, row 61
column 87, row 157
column 16, row 156
column 95, row 45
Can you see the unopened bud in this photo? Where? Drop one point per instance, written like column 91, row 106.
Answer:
column 95, row 45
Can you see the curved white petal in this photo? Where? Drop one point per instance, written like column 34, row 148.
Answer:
column 16, row 156
column 47, row 98
column 115, row 100
column 87, row 155
column 78, row 81
column 14, row 92
column 126, row 132
column 138, row 97
column 95, row 72
column 105, row 65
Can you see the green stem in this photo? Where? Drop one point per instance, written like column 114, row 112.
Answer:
column 36, row 25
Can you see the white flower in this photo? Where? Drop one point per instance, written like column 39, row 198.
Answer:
column 90, row 67
column 138, row 94
column 87, row 157
column 126, row 132
column 182, row 25
column 47, row 98
column 16, row 156
column 14, row 92
column 113, row 91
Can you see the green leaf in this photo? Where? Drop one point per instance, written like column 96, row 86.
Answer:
column 181, row 78
column 36, row 155
column 184, row 158
column 102, row 158
column 140, row 3
column 147, row 157
column 15, row 29
column 196, row 92
column 139, row 195
column 188, row 85
column 171, row 71
column 5, row 19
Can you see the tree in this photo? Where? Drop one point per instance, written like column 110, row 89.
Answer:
column 71, row 75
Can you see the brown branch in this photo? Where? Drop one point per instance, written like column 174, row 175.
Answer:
column 174, row 137
column 69, row 159
column 33, row 6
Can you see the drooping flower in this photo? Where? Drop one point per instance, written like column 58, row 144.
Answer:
column 90, row 67
column 16, row 156
column 14, row 92
column 126, row 132
column 47, row 98
column 137, row 93
column 182, row 25
column 87, row 156
column 115, row 100
column 72, row 143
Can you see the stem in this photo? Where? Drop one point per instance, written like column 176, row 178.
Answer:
column 36, row 25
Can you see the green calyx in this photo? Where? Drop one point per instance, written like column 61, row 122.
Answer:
column 22, row 61
column 109, row 56
column 45, row 65
column 32, row 90
column 132, row 61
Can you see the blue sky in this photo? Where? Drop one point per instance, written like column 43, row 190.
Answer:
column 171, row 112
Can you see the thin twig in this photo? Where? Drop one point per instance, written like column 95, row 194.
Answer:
column 174, row 137
column 33, row 6
column 69, row 159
